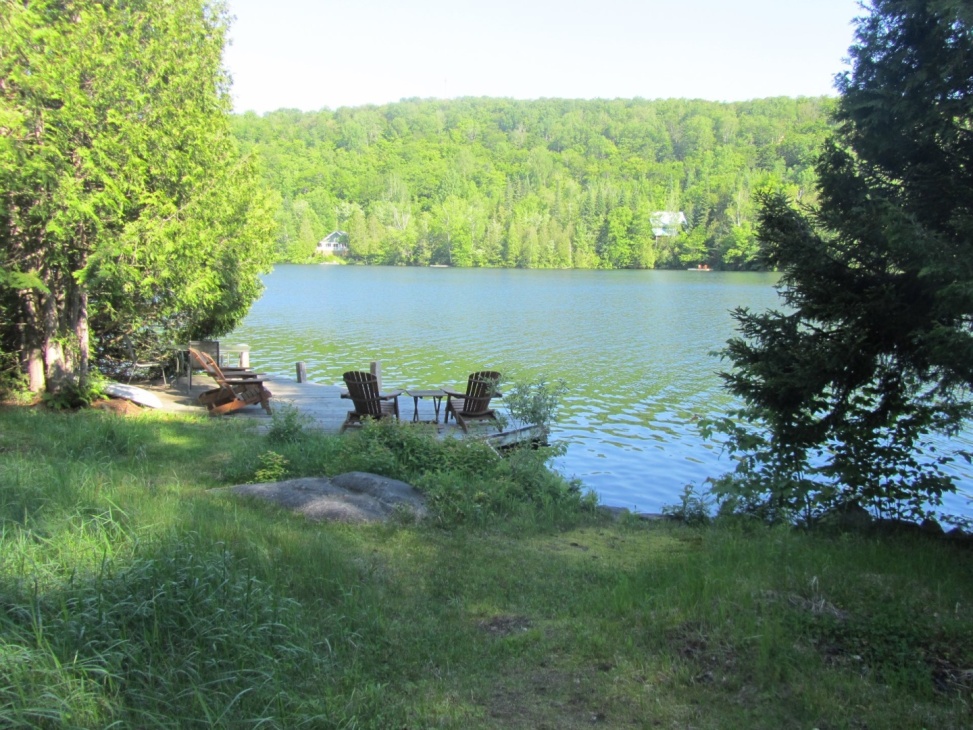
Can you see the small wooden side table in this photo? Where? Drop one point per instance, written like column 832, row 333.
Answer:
column 437, row 399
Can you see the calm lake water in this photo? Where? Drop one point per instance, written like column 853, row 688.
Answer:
column 634, row 348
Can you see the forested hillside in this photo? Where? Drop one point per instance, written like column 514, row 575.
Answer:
column 549, row 183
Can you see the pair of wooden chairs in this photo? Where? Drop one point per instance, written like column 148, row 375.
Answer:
column 236, row 387
column 467, row 407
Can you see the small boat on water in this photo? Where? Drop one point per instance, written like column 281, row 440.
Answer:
column 701, row 267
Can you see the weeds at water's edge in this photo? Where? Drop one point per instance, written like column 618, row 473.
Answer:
column 695, row 507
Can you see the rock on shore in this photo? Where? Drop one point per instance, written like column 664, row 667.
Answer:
column 352, row 497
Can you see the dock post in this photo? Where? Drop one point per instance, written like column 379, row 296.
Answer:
column 376, row 370
column 301, row 372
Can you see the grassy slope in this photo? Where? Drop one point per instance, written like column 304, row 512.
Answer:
column 127, row 593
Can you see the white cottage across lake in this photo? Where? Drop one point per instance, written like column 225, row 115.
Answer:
column 335, row 243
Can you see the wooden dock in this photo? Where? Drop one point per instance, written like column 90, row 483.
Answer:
column 325, row 407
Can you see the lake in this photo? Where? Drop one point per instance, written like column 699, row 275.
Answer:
column 634, row 347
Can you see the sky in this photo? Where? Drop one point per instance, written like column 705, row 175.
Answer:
column 317, row 54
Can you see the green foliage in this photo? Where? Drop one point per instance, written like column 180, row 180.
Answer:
column 207, row 639
column 76, row 393
column 694, row 508
column 20, row 280
column 552, row 183
column 128, row 212
column 535, row 403
column 844, row 389
column 131, row 595
column 273, row 467
column 288, row 424
column 12, row 381
column 464, row 480
column 480, row 491
column 397, row 450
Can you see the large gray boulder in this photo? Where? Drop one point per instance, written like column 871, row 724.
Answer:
column 352, row 497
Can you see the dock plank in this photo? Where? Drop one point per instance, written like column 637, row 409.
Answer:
column 323, row 404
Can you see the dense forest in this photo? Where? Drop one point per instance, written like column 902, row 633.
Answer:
column 548, row 183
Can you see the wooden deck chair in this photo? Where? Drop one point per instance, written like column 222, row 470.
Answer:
column 369, row 402
column 210, row 347
column 202, row 360
column 234, row 390
column 474, row 404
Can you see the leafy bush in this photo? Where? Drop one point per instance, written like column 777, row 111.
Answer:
column 897, row 474
column 393, row 449
column 12, row 381
column 535, row 403
column 694, row 507
column 72, row 393
column 482, row 491
column 288, row 424
column 464, row 480
column 273, row 467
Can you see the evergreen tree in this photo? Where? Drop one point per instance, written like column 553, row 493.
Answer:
column 125, row 208
column 874, row 351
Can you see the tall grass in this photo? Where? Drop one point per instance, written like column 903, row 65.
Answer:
column 132, row 596
column 182, row 633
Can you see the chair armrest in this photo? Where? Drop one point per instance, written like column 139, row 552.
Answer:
column 244, row 381
column 453, row 393
column 381, row 396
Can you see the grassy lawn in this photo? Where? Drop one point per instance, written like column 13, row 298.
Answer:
column 132, row 594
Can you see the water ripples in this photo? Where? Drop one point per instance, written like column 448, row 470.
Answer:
column 634, row 348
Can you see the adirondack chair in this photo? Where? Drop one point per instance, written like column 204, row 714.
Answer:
column 474, row 404
column 368, row 401
column 193, row 364
column 234, row 390
column 206, row 362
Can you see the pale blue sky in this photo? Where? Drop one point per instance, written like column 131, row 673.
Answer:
column 312, row 54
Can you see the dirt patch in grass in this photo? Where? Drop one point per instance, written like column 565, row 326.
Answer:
column 948, row 678
column 815, row 606
column 912, row 648
column 551, row 699
column 500, row 626
column 118, row 406
column 713, row 660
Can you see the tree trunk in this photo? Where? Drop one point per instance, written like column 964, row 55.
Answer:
column 31, row 347
column 79, row 313
column 55, row 339
column 56, row 365
column 34, row 366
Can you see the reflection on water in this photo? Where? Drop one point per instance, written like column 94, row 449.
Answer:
column 633, row 346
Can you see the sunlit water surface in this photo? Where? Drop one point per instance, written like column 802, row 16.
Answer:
column 634, row 347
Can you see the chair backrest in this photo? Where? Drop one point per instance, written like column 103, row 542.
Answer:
column 210, row 347
column 480, row 388
column 207, row 363
column 364, row 393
